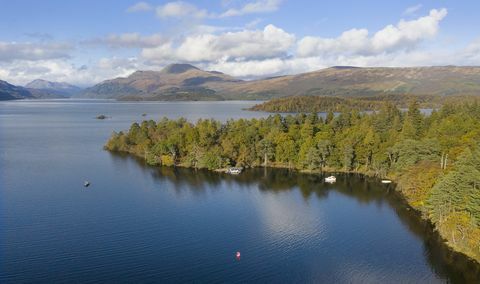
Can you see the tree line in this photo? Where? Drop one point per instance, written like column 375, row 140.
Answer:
column 296, row 104
column 435, row 159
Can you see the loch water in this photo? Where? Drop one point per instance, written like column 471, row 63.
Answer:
column 137, row 224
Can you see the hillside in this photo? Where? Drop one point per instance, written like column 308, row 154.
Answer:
column 59, row 89
column 352, row 81
column 336, row 104
column 186, row 82
column 12, row 92
column 174, row 82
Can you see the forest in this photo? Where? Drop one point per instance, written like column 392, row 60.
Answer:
column 434, row 159
column 308, row 104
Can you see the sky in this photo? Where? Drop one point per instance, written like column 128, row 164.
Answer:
column 86, row 42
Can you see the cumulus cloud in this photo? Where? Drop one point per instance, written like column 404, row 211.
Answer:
column 404, row 35
column 246, row 44
column 261, row 6
column 255, row 68
column 139, row 7
column 128, row 40
column 22, row 72
column 180, row 9
column 10, row 51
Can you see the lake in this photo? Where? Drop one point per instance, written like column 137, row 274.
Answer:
column 142, row 224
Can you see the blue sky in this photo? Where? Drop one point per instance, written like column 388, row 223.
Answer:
column 85, row 42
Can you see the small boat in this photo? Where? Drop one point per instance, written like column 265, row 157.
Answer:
column 386, row 181
column 330, row 179
column 86, row 183
column 234, row 171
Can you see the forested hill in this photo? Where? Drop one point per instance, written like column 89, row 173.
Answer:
column 434, row 159
column 308, row 104
column 187, row 82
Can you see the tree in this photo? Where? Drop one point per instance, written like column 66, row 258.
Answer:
column 266, row 150
column 329, row 117
column 324, row 150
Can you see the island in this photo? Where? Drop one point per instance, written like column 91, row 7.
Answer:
column 434, row 159
column 295, row 104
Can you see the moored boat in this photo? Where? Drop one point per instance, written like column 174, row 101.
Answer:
column 234, row 171
column 330, row 179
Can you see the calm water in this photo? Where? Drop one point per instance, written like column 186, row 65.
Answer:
column 142, row 224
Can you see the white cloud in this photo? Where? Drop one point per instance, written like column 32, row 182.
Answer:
column 408, row 33
column 139, row 7
column 180, row 9
column 186, row 10
column 260, row 6
column 404, row 35
column 128, row 40
column 10, row 51
column 253, row 24
column 470, row 55
column 412, row 9
column 255, row 68
column 269, row 42
column 22, row 72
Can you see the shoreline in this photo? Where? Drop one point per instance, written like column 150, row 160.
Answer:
column 396, row 187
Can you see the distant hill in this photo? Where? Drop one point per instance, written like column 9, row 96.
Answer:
column 53, row 89
column 38, row 89
column 350, row 81
column 309, row 104
column 174, row 82
column 187, row 82
column 12, row 92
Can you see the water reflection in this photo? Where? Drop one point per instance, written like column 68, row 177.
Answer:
column 279, row 214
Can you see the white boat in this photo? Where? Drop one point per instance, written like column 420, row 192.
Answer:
column 330, row 179
column 234, row 171
column 386, row 181
column 86, row 183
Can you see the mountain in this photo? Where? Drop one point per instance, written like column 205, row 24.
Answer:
column 12, row 92
column 187, row 82
column 353, row 81
column 53, row 89
column 174, row 82
column 38, row 89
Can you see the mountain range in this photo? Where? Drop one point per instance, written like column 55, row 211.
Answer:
column 54, row 88
column 187, row 82
column 174, row 82
column 37, row 89
column 12, row 92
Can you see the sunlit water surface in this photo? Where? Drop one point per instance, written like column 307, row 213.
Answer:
column 142, row 224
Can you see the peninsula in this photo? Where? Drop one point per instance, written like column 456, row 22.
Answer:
column 434, row 159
